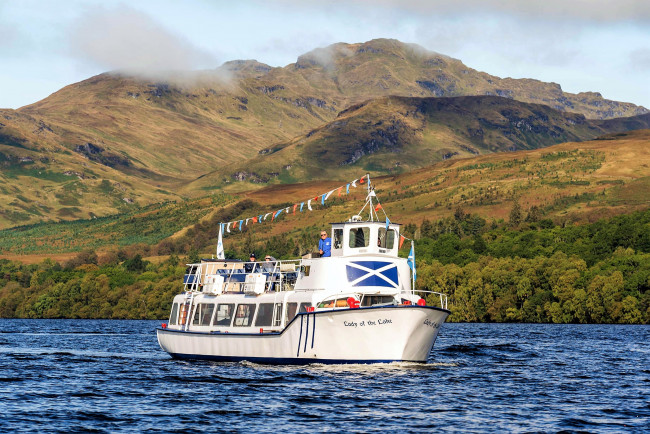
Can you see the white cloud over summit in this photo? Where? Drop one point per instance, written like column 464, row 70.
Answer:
column 126, row 39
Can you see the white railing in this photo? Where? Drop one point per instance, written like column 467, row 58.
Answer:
column 280, row 275
column 443, row 297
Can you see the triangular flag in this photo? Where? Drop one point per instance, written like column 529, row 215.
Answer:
column 277, row 214
column 301, row 204
column 339, row 191
column 322, row 200
column 228, row 227
column 329, row 194
column 259, row 218
column 294, row 209
column 241, row 222
column 387, row 223
column 287, row 210
column 247, row 221
column 254, row 219
column 361, row 181
column 347, row 189
column 309, row 205
column 266, row 215
column 401, row 240
column 378, row 207
column 354, row 183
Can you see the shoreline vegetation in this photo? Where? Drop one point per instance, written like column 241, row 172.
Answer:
column 526, row 270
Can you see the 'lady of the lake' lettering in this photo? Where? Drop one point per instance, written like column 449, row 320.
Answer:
column 435, row 325
column 370, row 323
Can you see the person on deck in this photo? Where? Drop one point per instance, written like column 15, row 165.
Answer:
column 324, row 245
column 249, row 267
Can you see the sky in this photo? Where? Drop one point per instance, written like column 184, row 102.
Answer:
column 584, row 45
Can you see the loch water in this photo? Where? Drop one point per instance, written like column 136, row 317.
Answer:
column 111, row 376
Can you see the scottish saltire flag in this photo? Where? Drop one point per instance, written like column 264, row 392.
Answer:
column 372, row 273
column 411, row 261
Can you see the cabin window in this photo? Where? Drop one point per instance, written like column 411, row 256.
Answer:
column 376, row 300
column 264, row 315
column 303, row 307
column 203, row 314
column 174, row 315
column 359, row 237
column 291, row 311
column 277, row 316
column 223, row 317
column 244, row 315
column 338, row 238
column 386, row 238
column 331, row 304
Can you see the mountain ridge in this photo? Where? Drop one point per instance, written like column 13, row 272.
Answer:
column 150, row 139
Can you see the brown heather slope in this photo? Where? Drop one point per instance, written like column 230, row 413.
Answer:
column 569, row 182
column 399, row 134
column 147, row 140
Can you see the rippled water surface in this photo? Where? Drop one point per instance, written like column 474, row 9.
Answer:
column 72, row 375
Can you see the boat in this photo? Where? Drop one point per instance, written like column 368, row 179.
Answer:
column 357, row 306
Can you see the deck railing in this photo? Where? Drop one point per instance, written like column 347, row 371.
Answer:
column 280, row 275
column 443, row 297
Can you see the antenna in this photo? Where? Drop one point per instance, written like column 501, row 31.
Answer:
column 371, row 209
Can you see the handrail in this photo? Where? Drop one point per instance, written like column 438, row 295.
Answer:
column 443, row 297
column 277, row 275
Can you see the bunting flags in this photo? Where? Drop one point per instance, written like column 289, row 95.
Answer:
column 401, row 240
column 378, row 207
column 276, row 214
column 387, row 223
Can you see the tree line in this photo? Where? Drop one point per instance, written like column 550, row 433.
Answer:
column 528, row 269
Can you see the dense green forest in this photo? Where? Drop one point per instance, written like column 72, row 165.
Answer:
column 526, row 270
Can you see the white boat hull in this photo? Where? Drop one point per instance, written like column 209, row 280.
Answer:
column 363, row 335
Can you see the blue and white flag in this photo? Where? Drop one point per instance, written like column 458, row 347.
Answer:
column 411, row 261
column 220, row 252
column 387, row 223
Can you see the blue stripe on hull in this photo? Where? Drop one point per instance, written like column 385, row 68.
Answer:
column 282, row 361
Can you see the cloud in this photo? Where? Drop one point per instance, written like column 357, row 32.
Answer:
column 604, row 11
column 128, row 40
column 640, row 59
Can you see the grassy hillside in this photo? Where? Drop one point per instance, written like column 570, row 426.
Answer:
column 567, row 183
column 398, row 134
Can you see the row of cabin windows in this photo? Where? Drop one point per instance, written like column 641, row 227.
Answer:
column 268, row 314
column 366, row 301
column 360, row 237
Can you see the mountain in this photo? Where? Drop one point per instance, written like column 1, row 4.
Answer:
column 398, row 134
column 113, row 142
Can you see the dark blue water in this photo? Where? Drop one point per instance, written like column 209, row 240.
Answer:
column 107, row 376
